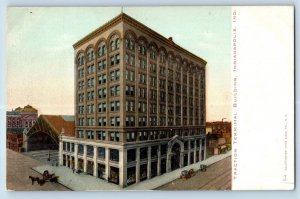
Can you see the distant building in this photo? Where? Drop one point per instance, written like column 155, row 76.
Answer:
column 218, row 136
column 44, row 134
column 139, row 104
column 21, row 117
column 16, row 122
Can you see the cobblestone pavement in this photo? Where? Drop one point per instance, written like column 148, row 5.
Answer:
column 18, row 171
column 217, row 177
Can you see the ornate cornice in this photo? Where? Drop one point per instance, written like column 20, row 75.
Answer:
column 125, row 18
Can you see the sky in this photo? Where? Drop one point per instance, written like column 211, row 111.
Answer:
column 40, row 56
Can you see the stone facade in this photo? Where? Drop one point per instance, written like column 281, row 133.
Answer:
column 139, row 104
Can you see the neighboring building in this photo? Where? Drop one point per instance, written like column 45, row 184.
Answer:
column 14, row 139
column 21, row 117
column 44, row 134
column 16, row 122
column 139, row 104
column 218, row 136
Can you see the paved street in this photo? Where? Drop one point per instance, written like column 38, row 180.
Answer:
column 18, row 172
column 42, row 156
column 217, row 177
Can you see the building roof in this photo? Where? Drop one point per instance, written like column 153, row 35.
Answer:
column 61, row 123
column 29, row 108
column 125, row 18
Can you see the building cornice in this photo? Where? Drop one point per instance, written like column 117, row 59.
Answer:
column 125, row 18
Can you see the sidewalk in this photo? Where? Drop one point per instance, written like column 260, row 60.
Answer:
column 82, row 182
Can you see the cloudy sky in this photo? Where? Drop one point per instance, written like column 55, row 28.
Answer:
column 40, row 53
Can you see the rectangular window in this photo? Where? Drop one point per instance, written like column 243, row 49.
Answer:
column 114, row 155
column 101, row 152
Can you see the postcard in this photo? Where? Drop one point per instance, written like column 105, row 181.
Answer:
column 150, row 98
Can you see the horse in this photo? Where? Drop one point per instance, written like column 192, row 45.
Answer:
column 54, row 179
column 34, row 179
column 41, row 182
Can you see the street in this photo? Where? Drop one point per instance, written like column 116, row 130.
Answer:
column 18, row 171
column 217, row 177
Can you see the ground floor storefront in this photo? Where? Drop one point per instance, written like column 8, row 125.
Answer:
column 134, row 163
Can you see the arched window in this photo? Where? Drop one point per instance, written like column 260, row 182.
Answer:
column 90, row 54
column 162, row 57
column 102, row 49
column 152, row 52
column 170, row 61
column 114, row 43
column 80, row 59
column 129, row 42
column 142, row 48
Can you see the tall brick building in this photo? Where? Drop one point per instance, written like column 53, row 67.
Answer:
column 139, row 104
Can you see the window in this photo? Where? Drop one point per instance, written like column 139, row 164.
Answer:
column 131, row 155
column 142, row 63
column 81, row 97
column 162, row 71
column 129, row 75
column 143, row 136
column 80, row 121
column 81, row 73
column 162, row 84
column 162, row 58
column 80, row 149
column 142, row 49
column 129, row 43
column 80, row 59
column 130, row 121
column 101, row 135
column 102, row 64
column 102, row 79
column 90, row 96
column 102, row 93
column 101, row 152
column 114, row 155
column 114, row 136
column 81, row 109
column 142, row 93
column 115, row 105
column 91, row 82
column 142, row 121
column 115, row 75
column 129, row 90
column 90, row 108
column 102, row 49
column 142, row 78
column 114, row 43
column 152, row 68
column 115, row 60
column 90, row 134
column 153, row 81
column 152, row 52
column 130, row 106
column 131, row 60
column 102, row 121
column 153, row 94
column 102, row 107
column 115, row 90
column 90, row 69
column 142, row 107
column 115, row 121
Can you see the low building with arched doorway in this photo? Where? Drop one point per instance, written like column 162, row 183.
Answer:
column 44, row 134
